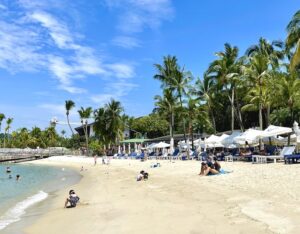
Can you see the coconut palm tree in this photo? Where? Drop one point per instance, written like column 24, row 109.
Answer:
column 85, row 114
column 165, row 106
column 114, row 110
column 225, row 71
column 204, row 91
column 257, row 72
column 100, row 125
column 293, row 40
column 7, row 128
column 175, row 79
column 69, row 105
column 2, row 117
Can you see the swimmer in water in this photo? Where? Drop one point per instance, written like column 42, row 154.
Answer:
column 18, row 177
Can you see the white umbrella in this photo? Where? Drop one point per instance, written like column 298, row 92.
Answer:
column 213, row 142
column 275, row 131
column 229, row 139
column 251, row 136
column 172, row 145
column 161, row 145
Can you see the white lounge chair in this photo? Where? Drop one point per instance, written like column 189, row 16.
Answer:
column 263, row 159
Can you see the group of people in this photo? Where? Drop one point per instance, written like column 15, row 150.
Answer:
column 210, row 167
column 8, row 171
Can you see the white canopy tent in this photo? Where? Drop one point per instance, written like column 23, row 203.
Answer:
column 161, row 145
column 273, row 130
column 251, row 136
column 229, row 141
column 213, row 142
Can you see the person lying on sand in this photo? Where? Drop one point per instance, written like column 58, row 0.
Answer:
column 142, row 176
column 73, row 199
column 211, row 167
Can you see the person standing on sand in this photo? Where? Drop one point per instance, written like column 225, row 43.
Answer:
column 95, row 159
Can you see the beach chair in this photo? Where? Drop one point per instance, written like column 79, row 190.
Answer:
column 286, row 154
column 289, row 157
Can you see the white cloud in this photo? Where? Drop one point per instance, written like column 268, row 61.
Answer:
column 126, row 42
column 121, row 70
column 141, row 13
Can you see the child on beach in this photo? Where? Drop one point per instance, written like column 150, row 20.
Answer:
column 73, row 199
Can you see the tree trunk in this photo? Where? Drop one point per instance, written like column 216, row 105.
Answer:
column 70, row 125
column 183, row 119
column 239, row 113
column 87, row 140
column 260, row 107
column 232, row 110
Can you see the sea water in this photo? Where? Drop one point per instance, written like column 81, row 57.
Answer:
column 35, row 185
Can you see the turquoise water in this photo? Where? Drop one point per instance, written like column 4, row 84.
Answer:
column 34, row 186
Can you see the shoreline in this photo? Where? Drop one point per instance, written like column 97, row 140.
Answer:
column 175, row 200
column 41, row 205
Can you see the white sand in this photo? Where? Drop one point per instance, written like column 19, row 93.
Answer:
column 251, row 199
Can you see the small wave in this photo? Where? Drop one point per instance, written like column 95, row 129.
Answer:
column 14, row 214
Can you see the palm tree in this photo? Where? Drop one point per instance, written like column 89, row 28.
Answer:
column 293, row 39
column 100, row 125
column 226, row 71
column 85, row 114
column 114, row 121
column 173, row 78
column 289, row 86
column 165, row 106
column 69, row 105
column 204, row 91
column 257, row 73
column 2, row 117
column 7, row 128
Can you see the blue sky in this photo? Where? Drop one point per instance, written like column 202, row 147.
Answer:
column 92, row 51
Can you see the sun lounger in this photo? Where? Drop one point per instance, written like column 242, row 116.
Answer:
column 289, row 157
column 288, row 150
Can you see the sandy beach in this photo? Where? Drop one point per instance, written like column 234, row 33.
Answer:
column 252, row 199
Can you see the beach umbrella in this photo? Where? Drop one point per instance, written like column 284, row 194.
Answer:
column 172, row 145
column 252, row 136
column 226, row 141
column 135, row 147
column 273, row 130
column 161, row 145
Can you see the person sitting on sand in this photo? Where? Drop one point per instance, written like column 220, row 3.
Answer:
column 72, row 199
column 211, row 167
column 142, row 176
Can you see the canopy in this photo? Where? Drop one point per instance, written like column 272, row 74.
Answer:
column 230, row 139
column 161, row 145
column 213, row 142
column 275, row 131
column 251, row 136
column 134, row 140
column 151, row 146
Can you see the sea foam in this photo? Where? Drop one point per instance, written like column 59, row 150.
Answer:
column 14, row 214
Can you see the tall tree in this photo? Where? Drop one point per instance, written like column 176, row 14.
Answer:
column 7, row 128
column 173, row 78
column 69, row 105
column 114, row 110
column 2, row 117
column 293, row 40
column 165, row 106
column 205, row 91
column 226, row 71
column 85, row 114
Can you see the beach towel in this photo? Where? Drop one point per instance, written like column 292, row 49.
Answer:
column 222, row 172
